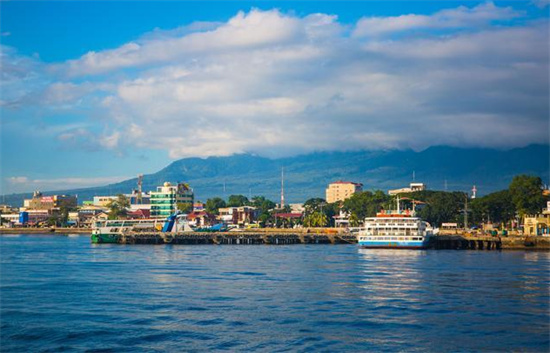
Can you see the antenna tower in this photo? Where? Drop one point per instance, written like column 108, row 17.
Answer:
column 282, row 187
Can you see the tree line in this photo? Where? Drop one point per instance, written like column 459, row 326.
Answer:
column 524, row 196
column 506, row 207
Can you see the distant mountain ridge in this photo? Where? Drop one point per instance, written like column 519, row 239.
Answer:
column 308, row 175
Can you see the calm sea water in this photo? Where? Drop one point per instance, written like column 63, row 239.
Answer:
column 61, row 293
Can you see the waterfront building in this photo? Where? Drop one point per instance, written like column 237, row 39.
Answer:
column 133, row 199
column 165, row 200
column 87, row 214
column 342, row 190
column 448, row 228
column 40, row 202
column 138, row 214
column 103, row 201
column 297, row 208
column 35, row 217
column 9, row 219
column 239, row 216
column 341, row 220
column 413, row 187
column 199, row 206
column 73, row 219
column 201, row 219
column 538, row 224
column 287, row 219
column 8, row 209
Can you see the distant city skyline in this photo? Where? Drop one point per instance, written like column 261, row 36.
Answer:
column 95, row 93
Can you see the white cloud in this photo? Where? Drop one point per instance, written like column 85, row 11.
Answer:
column 24, row 183
column 18, row 180
column 461, row 17
column 255, row 29
column 274, row 84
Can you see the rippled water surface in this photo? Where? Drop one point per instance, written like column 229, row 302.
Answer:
column 61, row 293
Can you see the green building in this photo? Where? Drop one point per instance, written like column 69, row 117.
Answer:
column 165, row 200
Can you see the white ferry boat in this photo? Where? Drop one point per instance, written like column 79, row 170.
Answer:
column 109, row 231
column 395, row 229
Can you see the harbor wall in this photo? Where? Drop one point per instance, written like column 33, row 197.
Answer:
column 276, row 236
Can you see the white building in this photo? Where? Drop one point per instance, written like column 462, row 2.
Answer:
column 413, row 187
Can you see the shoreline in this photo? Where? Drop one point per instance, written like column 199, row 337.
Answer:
column 52, row 231
column 527, row 243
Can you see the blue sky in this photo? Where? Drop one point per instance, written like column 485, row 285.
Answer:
column 96, row 92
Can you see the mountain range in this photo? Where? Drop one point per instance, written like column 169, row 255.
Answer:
column 306, row 176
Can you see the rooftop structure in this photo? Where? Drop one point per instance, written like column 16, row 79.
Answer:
column 135, row 198
column 165, row 200
column 342, row 190
column 40, row 202
column 238, row 215
column 413, row 187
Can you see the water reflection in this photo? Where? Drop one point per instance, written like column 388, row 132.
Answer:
column 268, row 298
column 392, row 277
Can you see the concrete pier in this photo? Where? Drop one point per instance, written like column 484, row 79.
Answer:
column 485, row 242
column 236, row 238
column 461, row 241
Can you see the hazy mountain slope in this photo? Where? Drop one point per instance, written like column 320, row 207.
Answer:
column 307, row 175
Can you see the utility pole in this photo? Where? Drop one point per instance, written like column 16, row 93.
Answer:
column 282, row 187
column 466, row 212
column 139, row 184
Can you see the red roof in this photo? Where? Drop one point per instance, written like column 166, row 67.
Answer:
column 196, row 214
column 141, row 213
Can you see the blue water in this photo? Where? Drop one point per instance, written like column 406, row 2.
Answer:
column 62, row 293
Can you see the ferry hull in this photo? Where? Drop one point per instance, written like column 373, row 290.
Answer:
column 393, row 245
column 105, row 238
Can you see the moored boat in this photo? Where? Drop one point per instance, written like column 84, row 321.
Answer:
column 395, row 230
column 110, row 231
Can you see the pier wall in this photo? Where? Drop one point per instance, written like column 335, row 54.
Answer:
column 273, row 236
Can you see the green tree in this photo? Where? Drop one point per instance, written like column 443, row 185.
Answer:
column 496, row 207
column 237, row 201
column 184, row 207
column 265, row 219
column 214, row 204
column 440, row 206
column 264, row 206
column 63, row 216
column 319, row 205
column 314, row 205
column 526, row 194
column 316, row 219
column 118, row 207
column 53, row 221
column 354, row 221
column 366, row 204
